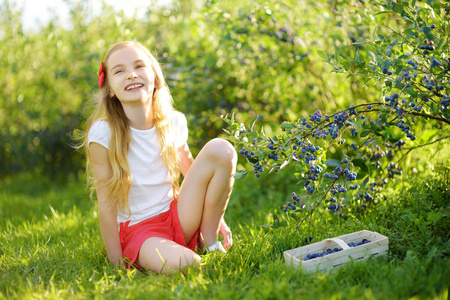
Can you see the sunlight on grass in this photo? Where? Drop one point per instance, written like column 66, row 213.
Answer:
column 55, row 251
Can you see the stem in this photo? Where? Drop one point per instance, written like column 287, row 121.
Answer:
column 318, row 203
column 432, row 142
column 428, row 116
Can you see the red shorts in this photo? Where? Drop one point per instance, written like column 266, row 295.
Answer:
column 166, row 225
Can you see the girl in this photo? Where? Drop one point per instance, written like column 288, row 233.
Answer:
column 136, row 148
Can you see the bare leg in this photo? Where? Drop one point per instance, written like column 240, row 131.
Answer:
column 164, row 256
column 206, row 190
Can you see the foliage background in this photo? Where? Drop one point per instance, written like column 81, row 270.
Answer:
column 257, row 58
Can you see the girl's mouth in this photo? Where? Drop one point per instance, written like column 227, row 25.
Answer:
column 133, row 87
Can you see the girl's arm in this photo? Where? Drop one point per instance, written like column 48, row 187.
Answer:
column 186, row 158
column 107, row 214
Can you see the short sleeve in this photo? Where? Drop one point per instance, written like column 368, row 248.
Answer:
column 100, row 133
column 180, row 125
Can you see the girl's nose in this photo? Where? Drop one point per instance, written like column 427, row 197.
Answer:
column 131, row 75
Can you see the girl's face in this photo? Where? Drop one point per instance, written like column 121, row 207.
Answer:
column 130, row 74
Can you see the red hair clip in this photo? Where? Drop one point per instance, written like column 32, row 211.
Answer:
column 101, row 76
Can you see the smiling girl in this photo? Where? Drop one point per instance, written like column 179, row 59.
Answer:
column 136, row 149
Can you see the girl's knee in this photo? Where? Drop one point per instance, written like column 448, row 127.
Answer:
column 221, row 151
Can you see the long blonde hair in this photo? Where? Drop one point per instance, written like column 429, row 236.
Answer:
column 110, row 109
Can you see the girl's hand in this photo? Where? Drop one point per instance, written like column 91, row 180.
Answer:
column 118, row 262
column 225, row 232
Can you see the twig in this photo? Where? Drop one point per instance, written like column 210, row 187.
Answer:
column 432, row 142
column 318, row 203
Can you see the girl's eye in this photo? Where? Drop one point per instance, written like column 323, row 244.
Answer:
column 118, row 71
column 139, row 66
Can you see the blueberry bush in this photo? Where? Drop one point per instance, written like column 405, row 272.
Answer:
column 344, row 159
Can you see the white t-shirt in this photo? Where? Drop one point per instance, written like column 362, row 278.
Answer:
column 151, row 191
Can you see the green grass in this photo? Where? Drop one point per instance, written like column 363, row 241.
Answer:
column 51, row 247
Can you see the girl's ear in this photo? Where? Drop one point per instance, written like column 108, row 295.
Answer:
column 111, row 93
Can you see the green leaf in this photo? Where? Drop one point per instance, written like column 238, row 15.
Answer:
column 434, row 216
column 241, row 174
column 332, row 162
column 286, row 125
column 358, row 57
column 252, row 123
column 364, row 133
column 366, row 180
column 440, row 43
column 370, row 141
column 394, row 139
column 361, row 163
column 411, row 91
column 323, row 55
column 398, row 8
column 252, row 134
column 428, row 32
column 389, row 48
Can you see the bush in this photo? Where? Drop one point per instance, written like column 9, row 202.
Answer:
column 353, row 153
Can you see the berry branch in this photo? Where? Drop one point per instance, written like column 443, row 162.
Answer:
column 430, row 143
column 375, row 130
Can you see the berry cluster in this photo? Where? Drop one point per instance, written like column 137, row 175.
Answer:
column 399, row 144
column 350, row 176
column 429, row 46
column 386, row 71
column 316, row 117
column 339, row 188
column 406, row 129
column 368, row 197
column 246, row 153
column 333, row 207
column 413, row 64
column 393, row 170
column 336, row 249
column 292, row 205
column 257, row 168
